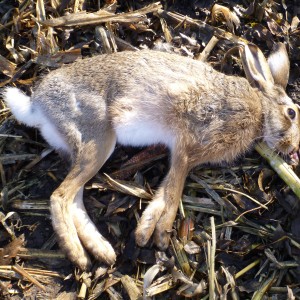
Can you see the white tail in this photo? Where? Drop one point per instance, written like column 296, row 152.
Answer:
column 20, row 106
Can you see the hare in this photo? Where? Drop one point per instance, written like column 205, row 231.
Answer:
column 149, row 97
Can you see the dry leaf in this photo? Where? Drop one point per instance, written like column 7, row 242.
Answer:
column 192, row 248
column 7, row 67
column 83, row 18
column 11, row 250
column 295, row 23
column 224, row 15
column 186, row 229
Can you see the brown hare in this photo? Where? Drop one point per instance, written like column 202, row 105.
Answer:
column 149, row 97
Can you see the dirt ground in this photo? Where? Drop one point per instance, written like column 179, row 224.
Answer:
column 257, row 247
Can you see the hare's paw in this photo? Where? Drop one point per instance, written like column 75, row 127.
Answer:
column 66, row 232
column 163, row 230
column 91, row 238
column 145, row 229
column 149, row 220
column 161, row 237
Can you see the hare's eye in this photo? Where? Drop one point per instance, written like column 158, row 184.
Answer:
column 291, row 113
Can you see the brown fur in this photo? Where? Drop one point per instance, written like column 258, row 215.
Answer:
column 148, row 97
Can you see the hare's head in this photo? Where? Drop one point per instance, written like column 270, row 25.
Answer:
column 282, row 123
column 281, row 115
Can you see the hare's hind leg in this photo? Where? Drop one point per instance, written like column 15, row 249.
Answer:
column 91, row 155
column 89, row 235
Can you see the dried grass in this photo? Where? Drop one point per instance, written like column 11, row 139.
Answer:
column 237, row 231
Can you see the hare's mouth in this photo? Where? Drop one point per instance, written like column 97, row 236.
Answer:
column 287, row 148
column 294, row 157
column 290, row 152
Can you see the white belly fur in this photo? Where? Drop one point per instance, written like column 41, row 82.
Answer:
column 142, row 132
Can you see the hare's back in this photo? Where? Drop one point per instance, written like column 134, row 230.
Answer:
column 89, row 86
column 122, row 69
column 136, row 92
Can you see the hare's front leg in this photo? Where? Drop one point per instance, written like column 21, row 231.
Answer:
column 89, row 158
column 160, row 214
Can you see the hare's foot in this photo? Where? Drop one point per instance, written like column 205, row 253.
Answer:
column 163, row 230
column 89, row 235
column 65, row 229
column 149, row 219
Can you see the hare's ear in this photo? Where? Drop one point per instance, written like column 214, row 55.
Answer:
column 279, row 64
column 256, row 66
